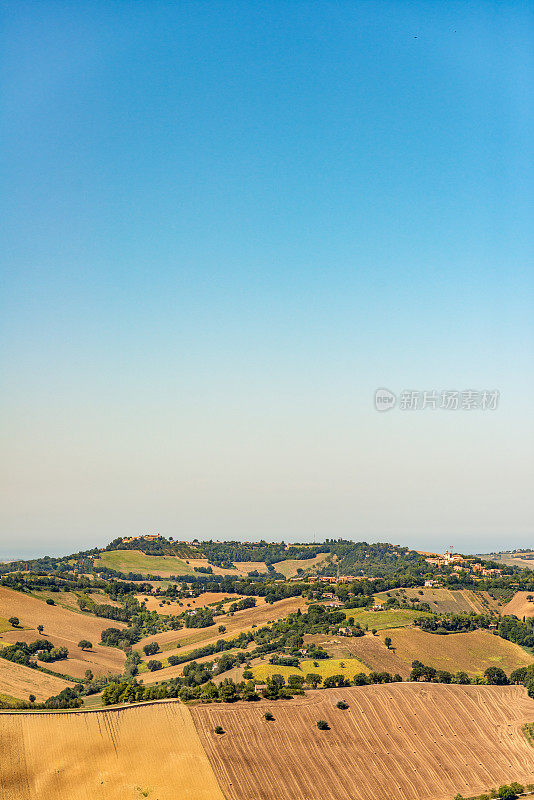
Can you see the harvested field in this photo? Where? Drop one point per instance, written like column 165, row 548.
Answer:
column 19, row 681
column 471, row 652
column 145, row 751
column 185, row 603
column 63, row 628
column 349, row 667
column 368, row 649
column 519, row 606
column 137, row 561
column 191, row 638
column 395, row 742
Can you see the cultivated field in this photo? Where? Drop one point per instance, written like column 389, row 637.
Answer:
column 19, row 681
column 368, row 649
column 137, row 561
column 383, row 619
column 447, row 601
column 512, row 559
column 395, row 742
column 470, row 652
column 326, row 667
column 63, row 628
column 149, row 752
column 190, row 638
column 519, row 606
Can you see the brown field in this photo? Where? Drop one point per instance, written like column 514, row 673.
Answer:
column 471, row 652
column 19, row 681
column 519, row 606
column 191, row 638
column 397, row 742
column 369, row 649
column 144, row 751
column 179, row 606
column 63, row 628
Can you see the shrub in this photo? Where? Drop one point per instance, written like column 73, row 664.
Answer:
column 268, row 716
column 219, row 729
column 323, row 725
column 153, row 665
column 342, row 705
column 50, row 602
column 84, row 644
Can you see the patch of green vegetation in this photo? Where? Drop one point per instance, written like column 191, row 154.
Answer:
column 133, row 561
column 4, row 625
column 384, row 619
column 7, row 701
column 325, row 667
column 528, row 730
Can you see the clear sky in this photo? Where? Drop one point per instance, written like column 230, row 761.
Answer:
column 223, row 226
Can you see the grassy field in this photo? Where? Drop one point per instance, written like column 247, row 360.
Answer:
column 470, row 652
column 395, row 742
column 5, row 625
column 383, row 619
column 64, row 628
column 141, row 752
column 349, row 667
column 289, row 567
column 136, row 561
column 519, row 606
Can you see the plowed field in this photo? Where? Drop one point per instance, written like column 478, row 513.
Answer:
column 405, row 741
column 397, row 742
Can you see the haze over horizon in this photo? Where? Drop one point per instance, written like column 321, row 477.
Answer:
column 224, row 226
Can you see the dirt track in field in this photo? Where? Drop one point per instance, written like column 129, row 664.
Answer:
column 63, row 628
column 395, row 742
column 117, row 755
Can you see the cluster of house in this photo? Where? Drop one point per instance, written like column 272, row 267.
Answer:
column 460, row 564
column 147, row 537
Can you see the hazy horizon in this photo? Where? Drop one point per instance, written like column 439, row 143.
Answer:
column 224, row 227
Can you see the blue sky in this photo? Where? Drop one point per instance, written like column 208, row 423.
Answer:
column 223, row 226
